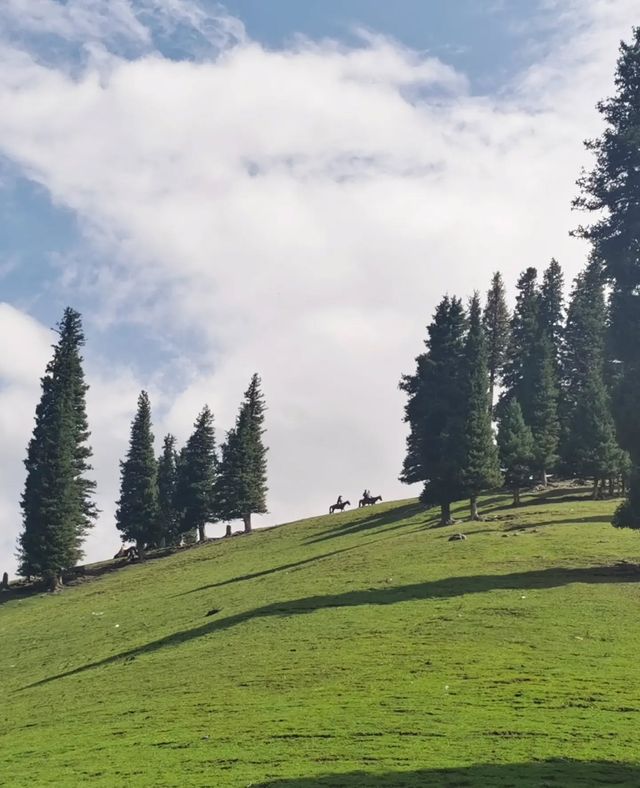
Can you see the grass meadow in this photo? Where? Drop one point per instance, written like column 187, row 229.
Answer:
column 361, row 649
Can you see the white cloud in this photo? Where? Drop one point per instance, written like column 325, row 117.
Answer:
column 303, row 210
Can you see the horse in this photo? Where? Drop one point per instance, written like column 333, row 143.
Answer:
column 369, row 501
column 338, row 507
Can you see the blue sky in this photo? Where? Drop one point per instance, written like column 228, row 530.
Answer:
column 285, row 187
column 488, row 41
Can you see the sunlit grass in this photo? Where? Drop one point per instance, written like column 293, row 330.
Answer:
column 361, row 649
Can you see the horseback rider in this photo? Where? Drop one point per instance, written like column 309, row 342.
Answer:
column 366, row 495
column 339, row 501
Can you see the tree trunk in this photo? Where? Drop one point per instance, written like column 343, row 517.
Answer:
column 623, row 485
column 474, row 508
column 228, row 531
column 5, row 581
column 246, row 518
column 516, row 496
column 201, row 533
column 54, row 581
column 612, row 487
column 140, row 547
column 445, row 514
column 594, row 493
column 544, row 477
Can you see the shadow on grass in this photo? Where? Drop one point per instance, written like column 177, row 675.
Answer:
column 598, row 518
column 437, row 589
column 560, row 773
column 374, row 520
column 554, row 495
column 276, row 569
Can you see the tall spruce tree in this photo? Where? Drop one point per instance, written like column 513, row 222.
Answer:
column 481, row 469
column 530, row 374
column 542, row 405
column 517, row 375
column 551, row 310
column 227, row 491
column 250, row 457
column 592, row 446
column 583, row 348
column 435, row 411
column 198, row 470
column 497, row 330
column 56, row 504
column 137, row 516
column 612, row 189
column 168, row 516
column 515, row 443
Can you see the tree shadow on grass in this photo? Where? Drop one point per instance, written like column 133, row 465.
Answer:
column 445, row 588
column 599, row 518
column 554, row 495
column 396, row 516
column 276, row 569
column 559, row 773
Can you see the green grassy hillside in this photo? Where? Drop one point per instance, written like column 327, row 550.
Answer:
column 362, row 649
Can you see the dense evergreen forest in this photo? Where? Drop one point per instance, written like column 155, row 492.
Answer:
column 569, row 377
column 499, row 397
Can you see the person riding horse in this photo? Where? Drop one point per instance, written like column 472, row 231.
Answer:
column 339, row 501
column 366, row 495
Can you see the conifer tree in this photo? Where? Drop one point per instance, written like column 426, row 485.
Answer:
column 227, row 491
column 583, row 348
column 516, row 447
column 551, row 310
column 530, row 374
column 435, row 411
column 247, row 459
column 198, row 469
column 525, row 323
column 168, row 516
column 543, row 405
column 481, row 470
column 612, row 189
column 56, row 504
column 497, row 330
column 592, row 447
column 137, row 513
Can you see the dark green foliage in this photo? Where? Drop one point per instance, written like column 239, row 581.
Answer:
column 592, row 447
column 197, row 470
column 551, row 314
column 530, row 375
column 516, row 447
column 612, row 189
column 480, row 470
column 137, row 516
column 243, row 487
column 524, row 333
column 168, row 516
column 56, row 503
column 583, row 349
column 543, row 405
column 589, row 444
column 228, row 482
column 435, row 410
column 497, row 331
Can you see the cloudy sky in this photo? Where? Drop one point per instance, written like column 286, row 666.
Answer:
column 283, row 187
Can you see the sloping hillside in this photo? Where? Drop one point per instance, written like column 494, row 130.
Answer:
column 362, row 649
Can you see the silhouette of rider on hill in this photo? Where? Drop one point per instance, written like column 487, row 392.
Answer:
column 366, row 495
column 339, row 501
